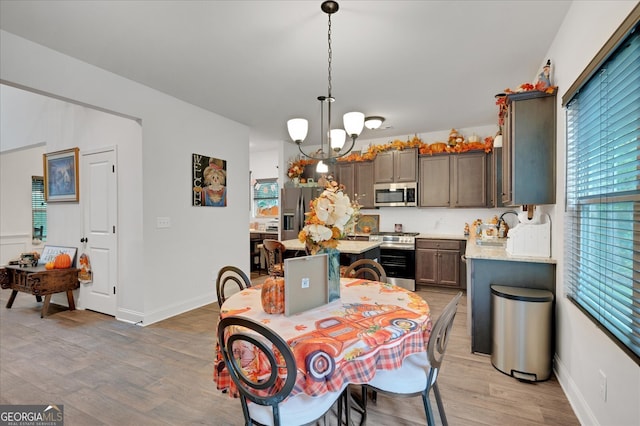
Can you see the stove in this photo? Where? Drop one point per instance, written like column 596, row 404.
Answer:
column 397, row 240
column 398, row 257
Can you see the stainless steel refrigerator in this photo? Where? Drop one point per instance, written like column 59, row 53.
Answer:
column 295, row 203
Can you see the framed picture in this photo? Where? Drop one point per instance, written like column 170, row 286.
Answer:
column 61, row 180
column 208, row 181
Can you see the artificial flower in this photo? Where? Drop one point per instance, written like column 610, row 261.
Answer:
column 332, row 216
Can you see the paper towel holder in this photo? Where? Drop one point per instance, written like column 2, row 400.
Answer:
column 530, row 209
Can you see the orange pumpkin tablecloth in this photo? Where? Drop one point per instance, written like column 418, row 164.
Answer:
column 372, row 326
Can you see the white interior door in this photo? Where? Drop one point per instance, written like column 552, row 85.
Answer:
column 99, row 198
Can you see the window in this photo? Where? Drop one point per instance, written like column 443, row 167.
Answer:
column 602, row 271
column 265, row 198
column 38, row 208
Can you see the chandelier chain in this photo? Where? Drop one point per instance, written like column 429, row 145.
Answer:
column 330, row 55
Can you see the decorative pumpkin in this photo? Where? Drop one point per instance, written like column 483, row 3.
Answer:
column 62, row 261
column 49, row 265
column 272, row 295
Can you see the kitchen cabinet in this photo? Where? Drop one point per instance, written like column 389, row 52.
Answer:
column 483, row 273
column 529, row 149
column 358, row 179
column 454, row 180
column 495, row 178
column 396, row 166
column 439, row 263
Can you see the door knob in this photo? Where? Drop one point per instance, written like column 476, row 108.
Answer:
column 84, row 240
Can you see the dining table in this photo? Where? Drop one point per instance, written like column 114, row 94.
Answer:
column 372, row 326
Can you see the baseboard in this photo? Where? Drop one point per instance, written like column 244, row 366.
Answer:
column 179, row 308
column 578, row 403
column 133, row 317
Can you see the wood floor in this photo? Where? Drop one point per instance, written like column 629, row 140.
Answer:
column 108, row 372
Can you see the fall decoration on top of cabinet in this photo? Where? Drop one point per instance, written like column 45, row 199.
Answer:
column 457, row 146
column 296, row 167
column 543, row 84
column 272, row 295
column 62, row 261
column 331, row 217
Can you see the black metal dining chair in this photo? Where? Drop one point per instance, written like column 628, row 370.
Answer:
column 265, row 399
column 228, row 275
column 419, row 372
column 366, row 268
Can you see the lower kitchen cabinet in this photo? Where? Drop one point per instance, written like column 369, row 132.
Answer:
column 483, row 273
column 439, row 263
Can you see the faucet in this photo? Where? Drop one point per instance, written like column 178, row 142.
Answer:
column 506, row 213
column 513, row 212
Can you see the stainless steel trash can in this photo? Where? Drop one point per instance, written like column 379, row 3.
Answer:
column 521, row 320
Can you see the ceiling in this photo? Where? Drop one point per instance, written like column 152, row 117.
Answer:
column 424, row 65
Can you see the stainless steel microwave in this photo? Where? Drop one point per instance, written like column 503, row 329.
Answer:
column 404, row 194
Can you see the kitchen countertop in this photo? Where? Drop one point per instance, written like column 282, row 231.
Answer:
column 475, row 251
column 255, row 231
column 345, row 246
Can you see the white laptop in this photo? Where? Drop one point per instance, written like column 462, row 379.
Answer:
column 306, row 283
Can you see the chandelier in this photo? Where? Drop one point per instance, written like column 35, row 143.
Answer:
column 332, row 141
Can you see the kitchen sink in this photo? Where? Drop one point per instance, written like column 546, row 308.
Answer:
column 491, row 242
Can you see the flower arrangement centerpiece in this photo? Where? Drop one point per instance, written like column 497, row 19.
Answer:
column 332, row 215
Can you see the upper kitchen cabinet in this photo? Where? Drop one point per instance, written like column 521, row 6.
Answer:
column 454, row 180
column 529, row 149
column 495, row 178
column 396, row 166
column 357, row 177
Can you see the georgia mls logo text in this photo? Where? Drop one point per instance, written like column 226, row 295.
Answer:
column 31, row 415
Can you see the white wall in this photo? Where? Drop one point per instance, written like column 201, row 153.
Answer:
column 175, row 267
column 16, row 226
column 582, row 349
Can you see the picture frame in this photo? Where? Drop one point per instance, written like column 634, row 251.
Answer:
column 61, row 179
column 208, row 181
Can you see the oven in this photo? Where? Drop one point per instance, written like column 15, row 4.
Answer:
column 398, row 257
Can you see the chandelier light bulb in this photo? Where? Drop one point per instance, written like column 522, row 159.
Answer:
column 298, row 128
column 322, row 168
column 353, row 123
column 338, row 137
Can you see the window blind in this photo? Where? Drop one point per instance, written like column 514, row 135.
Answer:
column 38, row 208
column 602, row 259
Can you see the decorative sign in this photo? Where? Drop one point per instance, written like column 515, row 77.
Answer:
column 49, row 254
column 85, row 276
column 209, row 181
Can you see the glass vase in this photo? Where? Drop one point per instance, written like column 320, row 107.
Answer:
column 334, row 272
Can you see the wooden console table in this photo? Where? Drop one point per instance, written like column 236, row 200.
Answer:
column 39, row 282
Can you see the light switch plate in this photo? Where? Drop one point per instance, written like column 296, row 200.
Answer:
column 163, row 222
